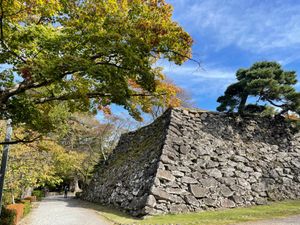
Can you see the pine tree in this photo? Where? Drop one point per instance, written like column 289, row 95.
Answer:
column 265, row 82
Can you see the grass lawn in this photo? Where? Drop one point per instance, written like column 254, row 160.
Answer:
column 220, row 217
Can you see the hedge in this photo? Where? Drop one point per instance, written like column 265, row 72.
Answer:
column 19, row 209
column 8, row 216
column 27, row 206
column 31, row 198
column 39, row 194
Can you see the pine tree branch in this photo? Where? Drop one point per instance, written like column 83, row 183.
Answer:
column 274, row 104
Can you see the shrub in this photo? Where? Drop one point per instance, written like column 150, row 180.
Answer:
column 7, row 198
column 38, row 194
column 7, row 216
column 78, row 194
column 31, row 198
column 27, row 206
column 19, row 209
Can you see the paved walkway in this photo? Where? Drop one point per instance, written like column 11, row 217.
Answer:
column 292, row 220
column 57, row 210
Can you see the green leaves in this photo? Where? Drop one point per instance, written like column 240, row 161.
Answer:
column 268, row 83
column 85, row 53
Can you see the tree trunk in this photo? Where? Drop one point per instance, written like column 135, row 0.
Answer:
column 76, row 185
column 243, row 102
column 12, row 198
column 26, row 192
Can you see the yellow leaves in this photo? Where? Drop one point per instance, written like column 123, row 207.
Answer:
column 166, row 95
column 168, row 92
column 20, row 10
column 37, row 163
column 100, row 44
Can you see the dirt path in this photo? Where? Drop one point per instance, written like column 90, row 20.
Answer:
column 60, row 211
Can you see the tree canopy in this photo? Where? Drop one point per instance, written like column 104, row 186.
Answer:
column 62, row 56
column 269, row 87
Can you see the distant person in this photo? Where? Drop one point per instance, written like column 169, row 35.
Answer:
column 46, row 191
column 66, row 191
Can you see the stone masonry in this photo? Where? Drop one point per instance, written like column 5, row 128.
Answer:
column 189, row 160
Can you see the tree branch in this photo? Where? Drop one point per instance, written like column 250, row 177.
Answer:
column 18, row 141
column 25, row 86
column 181, row 55
column 1, row 20
column 88, row 95
column 274, row 104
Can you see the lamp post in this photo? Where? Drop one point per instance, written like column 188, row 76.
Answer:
column 4, row 159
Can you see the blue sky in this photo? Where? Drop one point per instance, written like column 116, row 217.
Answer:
column 233, row 34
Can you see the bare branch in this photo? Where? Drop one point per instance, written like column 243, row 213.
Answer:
column 179, row 54
column 18, row 141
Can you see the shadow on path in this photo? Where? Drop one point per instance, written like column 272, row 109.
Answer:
column 73, row 202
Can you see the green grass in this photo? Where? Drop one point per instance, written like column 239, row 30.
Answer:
column 220, row 217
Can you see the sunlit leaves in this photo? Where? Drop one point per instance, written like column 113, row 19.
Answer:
column 87, row 54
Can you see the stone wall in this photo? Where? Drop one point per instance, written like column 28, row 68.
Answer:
column 191, row 160
column 125, row 179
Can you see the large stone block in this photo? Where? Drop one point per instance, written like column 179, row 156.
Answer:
column 198, row 191
column 165, row 175
column 161, row 194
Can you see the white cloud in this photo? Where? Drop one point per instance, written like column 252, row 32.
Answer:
column 253, row 25
column 201, row 83
column 195, row 72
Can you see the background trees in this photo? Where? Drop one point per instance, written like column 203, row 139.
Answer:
column 33, row 165
column 68, row 157
column 269, row 87
column 92, row 140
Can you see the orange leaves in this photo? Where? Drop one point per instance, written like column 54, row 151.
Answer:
column 164, row 96
column 168, row 91
column 292, row 116
column 105, row 109
column 25, row 73
column 133, row 85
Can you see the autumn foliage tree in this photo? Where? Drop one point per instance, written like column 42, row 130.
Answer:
column 36, row 164
column 92, row 140
column 270, row 88
column 62, row 56
column 171, row 95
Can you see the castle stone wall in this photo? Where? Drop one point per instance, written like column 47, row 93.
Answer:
column 191, row 160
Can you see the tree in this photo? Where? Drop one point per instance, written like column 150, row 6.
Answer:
column 265, row 82
column 84, row 55
column 175, row 96
column 36, row 164
column 93, row 140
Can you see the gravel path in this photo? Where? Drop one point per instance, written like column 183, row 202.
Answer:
column 57, row 210
column 292, row 220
